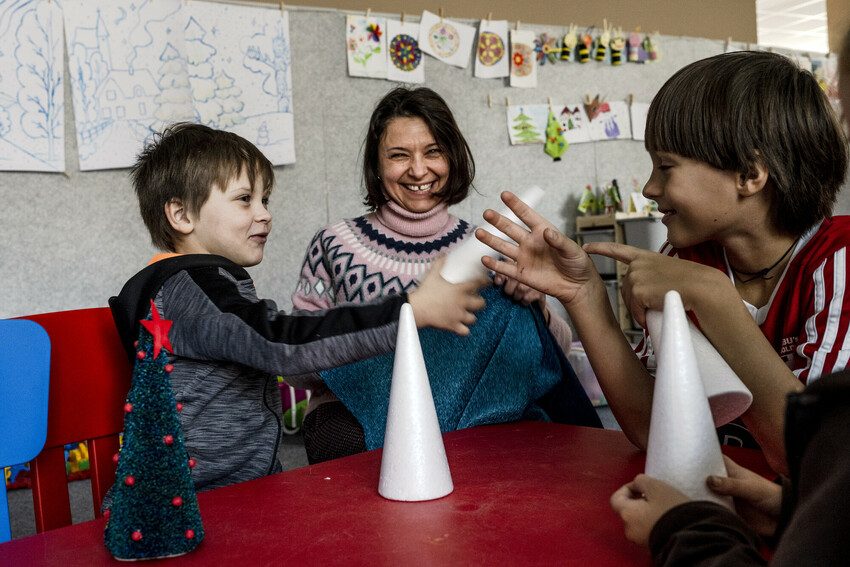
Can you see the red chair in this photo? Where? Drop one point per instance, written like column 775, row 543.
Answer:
column 89, row 381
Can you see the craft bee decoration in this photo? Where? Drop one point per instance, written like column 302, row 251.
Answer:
column 583, row 53
column 602, row 41
column 634, row 47
column 617, row 46
column 568, row 43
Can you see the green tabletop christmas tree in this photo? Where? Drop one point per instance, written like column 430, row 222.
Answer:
column 154, row 511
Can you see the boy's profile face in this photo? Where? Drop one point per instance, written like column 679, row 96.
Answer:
column 699, row 202
column 233, row 223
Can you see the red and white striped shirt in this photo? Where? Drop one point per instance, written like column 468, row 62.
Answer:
column 807, row 319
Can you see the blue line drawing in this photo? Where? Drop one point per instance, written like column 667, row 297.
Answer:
column 137, row 67
column 240, row 67
column 32, row 104
column 128, row 76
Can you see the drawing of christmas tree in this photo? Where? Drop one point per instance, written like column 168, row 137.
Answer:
column 154, row 510
column 526, row 132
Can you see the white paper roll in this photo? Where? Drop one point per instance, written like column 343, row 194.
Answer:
column 683, row 448
column 414, row 466
column 727, row 395
column 463, row 263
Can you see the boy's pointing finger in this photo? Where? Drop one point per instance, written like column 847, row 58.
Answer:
column 620, row 252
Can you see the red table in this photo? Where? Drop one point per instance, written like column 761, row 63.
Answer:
column 525, row 493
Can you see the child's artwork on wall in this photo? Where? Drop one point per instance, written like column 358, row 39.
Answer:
column 128, row 76
column 136, row 67
column 404, row 58
column 239, row 64
column 32, row 101
column 609, row 120
column 574, row 123
column 447, row 40
column 523, row 64
column 491, row 54
column 366, row 42
column 527, row 123
column 638, row 112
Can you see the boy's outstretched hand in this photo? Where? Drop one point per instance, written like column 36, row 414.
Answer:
column 641, row 503
column 650, row 275
column 443, row 305
column 542, row 258
column 757, row 500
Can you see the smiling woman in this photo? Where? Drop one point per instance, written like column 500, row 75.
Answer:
column 416, row 163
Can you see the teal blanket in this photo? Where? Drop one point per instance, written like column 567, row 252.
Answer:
column 493, row 375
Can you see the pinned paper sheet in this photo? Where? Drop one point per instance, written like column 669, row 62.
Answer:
column 683, row 449
column 414, row 466
column 728, row 397
column 463, row 263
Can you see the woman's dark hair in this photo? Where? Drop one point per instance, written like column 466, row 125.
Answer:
column 427, row 105
column 736, row 110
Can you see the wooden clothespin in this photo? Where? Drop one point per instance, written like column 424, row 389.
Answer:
column 368, row 12
column 517, row 25
column 282, row 6
column 507, row 101
column 631, row 98
column 402, row 17
column 440, row 12
column 549, row 99
column 489, row 16
column 489, row 100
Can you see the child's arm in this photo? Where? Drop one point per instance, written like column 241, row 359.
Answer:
column 442, row 305
column 215, row 320
column 725, row 321
column 548, row 261
column 681, row 532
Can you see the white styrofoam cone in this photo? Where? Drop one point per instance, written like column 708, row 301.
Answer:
column 683, row 448
column 413, row 465
column 463, row 263
column 727, row 395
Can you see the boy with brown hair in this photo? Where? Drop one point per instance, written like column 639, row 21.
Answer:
column 203, row 195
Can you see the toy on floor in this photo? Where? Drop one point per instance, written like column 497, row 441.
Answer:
column 294, row 403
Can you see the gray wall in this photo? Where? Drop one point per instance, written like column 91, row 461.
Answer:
column 71, row 241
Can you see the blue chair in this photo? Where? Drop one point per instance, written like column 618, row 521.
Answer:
column 24, row 385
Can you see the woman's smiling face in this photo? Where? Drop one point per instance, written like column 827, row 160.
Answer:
column 414, row 168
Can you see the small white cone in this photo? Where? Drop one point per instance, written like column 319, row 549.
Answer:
column 683, row 448
column 414, row 465
column 463, row 263
column 728, row 397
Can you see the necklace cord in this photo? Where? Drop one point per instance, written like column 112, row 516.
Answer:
column 763, row 273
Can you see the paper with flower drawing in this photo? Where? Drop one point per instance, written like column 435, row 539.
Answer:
column 492, row 59
column 523, row 64
column 404, row 58
column 366, row 44
column 446, row 40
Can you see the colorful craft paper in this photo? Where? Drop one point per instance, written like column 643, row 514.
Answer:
column 366, row 45
column 523, row 65
column 446, row 40
column 404, row 58
column 492, row 57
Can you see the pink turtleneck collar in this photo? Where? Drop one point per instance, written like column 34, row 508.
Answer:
column 413, row 225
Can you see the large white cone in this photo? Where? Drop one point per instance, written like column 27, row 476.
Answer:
column 414, row 465
column 463, row 263
column 683, row 448
column 728, row 397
